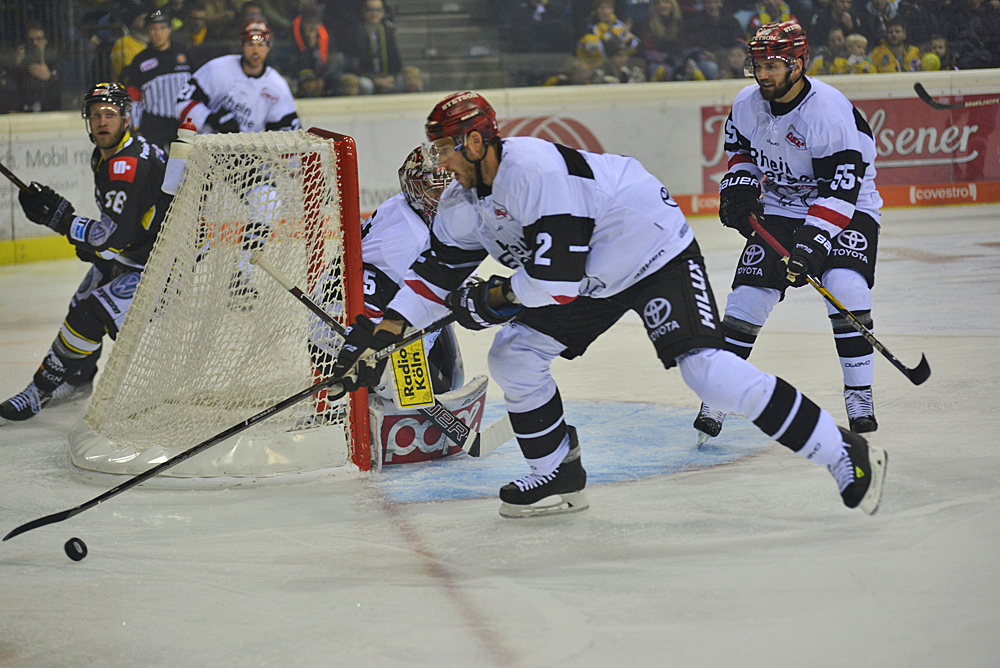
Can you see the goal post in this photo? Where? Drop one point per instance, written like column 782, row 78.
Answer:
column 210, row 340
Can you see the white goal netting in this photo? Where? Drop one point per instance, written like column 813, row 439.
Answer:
column 211, row 340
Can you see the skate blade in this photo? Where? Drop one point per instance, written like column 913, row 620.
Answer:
column 702, row 439
column 557, row 504
column 879, row 460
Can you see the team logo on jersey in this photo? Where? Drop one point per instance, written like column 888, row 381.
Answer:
column 794, row 138
column 181, row 59
column 123, row 169
column 123, row 287
column 853, row 240
column 268, row 95
column 500, row 212
column 147, row 65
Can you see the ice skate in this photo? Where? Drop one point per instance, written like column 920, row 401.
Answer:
column 26, row 404
column 860, row 409
column 708, row 423
column 860, row 472
column 73, row 390
column 559, row 492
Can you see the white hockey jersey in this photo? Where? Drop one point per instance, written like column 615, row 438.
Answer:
column 817, row 156
column 568, row 222
column 392, row 239
column 260, row 103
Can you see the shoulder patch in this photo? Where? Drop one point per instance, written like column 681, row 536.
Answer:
column 794, row 138
column 123, row 169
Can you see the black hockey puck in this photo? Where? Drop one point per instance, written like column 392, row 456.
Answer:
column 76, row 549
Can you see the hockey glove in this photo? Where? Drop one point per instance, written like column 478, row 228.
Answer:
column 739, row 196
column 472, row 303
column 809, row 252
column 44, row 206
column 223, row 121
column 360, row 338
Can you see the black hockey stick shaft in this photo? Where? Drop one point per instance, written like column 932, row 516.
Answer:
column 218, row 438
column 449, row 423
column 926, row 97
column 13, row 179
column 917, row 374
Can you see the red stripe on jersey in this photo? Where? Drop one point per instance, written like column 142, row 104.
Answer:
column 739, row 159
column 184, row 113
column 563, row 299
column 829, row 215
column 421, row 289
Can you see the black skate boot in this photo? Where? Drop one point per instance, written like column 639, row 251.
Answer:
column 860, row 473
column 708, row 423
column 559, row 492
column 860, row 409
column 76, row 388
column 26, row 404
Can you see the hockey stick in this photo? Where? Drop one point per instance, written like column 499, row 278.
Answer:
column 917, row 374
column 13, row 179
column 221, row 436
column 925, row 96
column 449, row 423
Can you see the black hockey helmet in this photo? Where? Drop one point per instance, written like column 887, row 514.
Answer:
column 111, row 93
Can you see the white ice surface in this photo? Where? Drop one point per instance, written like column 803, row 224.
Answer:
column 753, row 562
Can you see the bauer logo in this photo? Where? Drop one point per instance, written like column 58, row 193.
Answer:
column 123, row 169
column 558, row 129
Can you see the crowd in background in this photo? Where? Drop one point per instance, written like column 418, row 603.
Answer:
column 51, row 50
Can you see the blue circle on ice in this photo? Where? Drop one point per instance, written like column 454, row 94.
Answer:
column 619, row 441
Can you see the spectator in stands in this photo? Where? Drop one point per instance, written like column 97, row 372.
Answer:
column 770, row 11
column 618, row 66
column 831, row 58
column 374, row 54
column 194, row 38
column 923, row 18
column 574, row 72
column 975, row 35
column 154, row 79
column 839, row 14
column 731, row 66
column 661, row 36
column 132, row 42
column 309, row 84
column 8, row 92
column 349, row 85
column 858, row 61
column 34, row 75
column 314, row 51
column 714, row 30
column 895, row 53
column 940, row 49
column 411, row 80
column 537, row 26
column 874, row 18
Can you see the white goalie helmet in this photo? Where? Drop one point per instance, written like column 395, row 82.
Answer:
column 422, row 183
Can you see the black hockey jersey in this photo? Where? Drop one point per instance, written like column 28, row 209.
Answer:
column 132, row 206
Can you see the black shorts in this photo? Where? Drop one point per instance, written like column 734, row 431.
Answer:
column 675, row 303
column 855, row 248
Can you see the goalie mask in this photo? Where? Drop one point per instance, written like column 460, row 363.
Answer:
column 422, row 183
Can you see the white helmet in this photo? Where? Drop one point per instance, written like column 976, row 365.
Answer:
column 422, row 183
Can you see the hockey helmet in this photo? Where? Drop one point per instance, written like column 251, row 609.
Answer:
column 785, row 41
column 110, row 93
column 422, row 183
column 255, row 30
column 459, row 114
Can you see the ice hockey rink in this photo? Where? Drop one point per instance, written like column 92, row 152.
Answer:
column 738, row 555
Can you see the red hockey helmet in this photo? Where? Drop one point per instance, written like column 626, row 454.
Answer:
column 255, row 30
column 459, row 114
column 786, row 41
column 422, row 183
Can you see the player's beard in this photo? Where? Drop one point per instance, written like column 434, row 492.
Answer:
column 779, row 90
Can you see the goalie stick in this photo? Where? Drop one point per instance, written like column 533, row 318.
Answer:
column 925, row 96
column 449, row 423
column 13, row 179
column 324, row 384
column 917, row 374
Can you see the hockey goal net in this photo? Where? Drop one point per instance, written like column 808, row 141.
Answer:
column 211, row 340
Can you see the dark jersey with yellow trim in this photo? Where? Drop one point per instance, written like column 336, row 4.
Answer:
column 132, row 206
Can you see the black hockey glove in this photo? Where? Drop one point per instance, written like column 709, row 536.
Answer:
column 359, row 339
column 809, row 252
column 739, row 196
column 223, row 121
column 471, row 303
column 44, row 206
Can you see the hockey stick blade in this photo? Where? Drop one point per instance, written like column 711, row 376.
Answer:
column 450, row 425
column 917, row 375
column 926, row 97
column 489, row 439
column 222, row 436
column 13, row 178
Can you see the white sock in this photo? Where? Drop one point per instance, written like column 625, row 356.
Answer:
column 825, row 445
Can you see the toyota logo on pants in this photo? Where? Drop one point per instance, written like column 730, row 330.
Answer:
column 656, row 312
